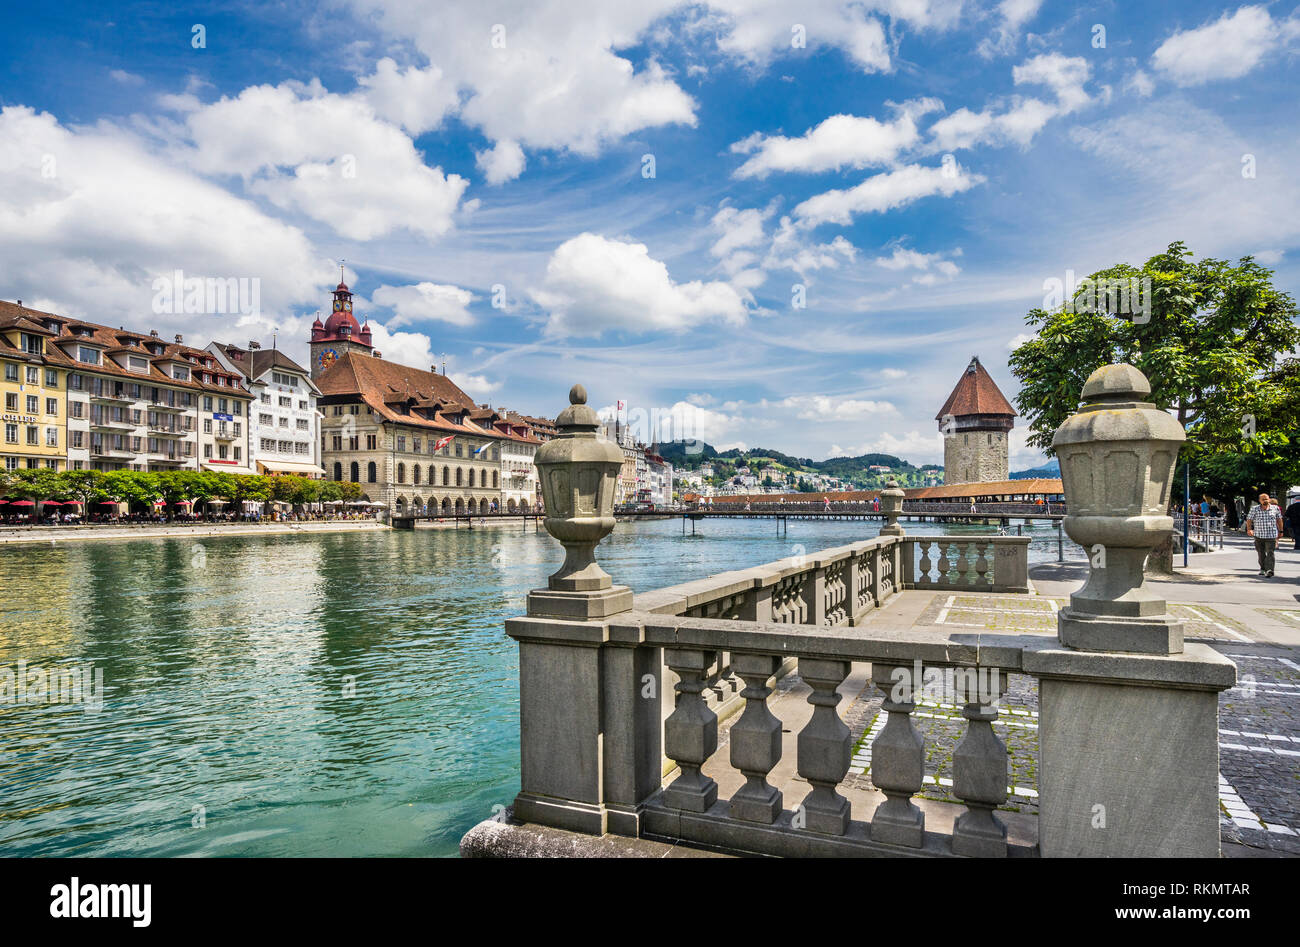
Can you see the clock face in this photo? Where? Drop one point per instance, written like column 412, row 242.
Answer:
column 327, row 358
column 338, row 304
column 348, row 305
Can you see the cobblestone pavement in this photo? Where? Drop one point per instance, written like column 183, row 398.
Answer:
column 1259, row 719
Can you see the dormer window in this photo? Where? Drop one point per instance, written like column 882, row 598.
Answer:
column 180, row 372
column 137, row 364
column 33, row 344
column 88, row 355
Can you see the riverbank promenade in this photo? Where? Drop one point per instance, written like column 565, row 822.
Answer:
column 186, row 530
column 913, row 695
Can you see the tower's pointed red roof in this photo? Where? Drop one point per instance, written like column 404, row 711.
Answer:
column 976, row 393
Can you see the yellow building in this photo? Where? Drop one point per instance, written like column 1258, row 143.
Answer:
column 34, row 392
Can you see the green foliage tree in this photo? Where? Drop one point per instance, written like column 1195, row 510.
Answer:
column 1210, row 345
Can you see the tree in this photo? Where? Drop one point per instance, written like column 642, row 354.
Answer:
column 1210, row 345
column 84, row 485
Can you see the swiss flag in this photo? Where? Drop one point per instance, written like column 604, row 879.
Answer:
column 444, row 441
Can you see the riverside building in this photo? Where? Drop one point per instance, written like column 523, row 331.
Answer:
column 130, row 400
column 413, row 439
column 284, row 423
column 34, row 419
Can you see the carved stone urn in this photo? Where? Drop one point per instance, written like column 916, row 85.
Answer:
column 578, row 470
column 891, row 504
column 1117, row 456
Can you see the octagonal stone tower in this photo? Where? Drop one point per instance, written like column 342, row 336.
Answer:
column 976, row 423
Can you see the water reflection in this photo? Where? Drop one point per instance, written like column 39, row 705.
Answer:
column 317, row 694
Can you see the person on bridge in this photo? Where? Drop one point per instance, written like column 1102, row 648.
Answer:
column 1265, row 524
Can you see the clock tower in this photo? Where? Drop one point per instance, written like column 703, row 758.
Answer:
column 338, row 335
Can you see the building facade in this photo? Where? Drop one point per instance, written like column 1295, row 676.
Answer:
column 284, row 423
column 34, row 394
column 976, row 423
column 132, row 401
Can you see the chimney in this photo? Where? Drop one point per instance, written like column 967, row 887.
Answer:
column 179, row 338
column 379, row 354
column 433, row 369
column 154, row 333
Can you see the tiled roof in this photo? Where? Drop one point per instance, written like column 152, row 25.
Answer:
column 115, row 340
column 976, row 393
column 382, row 383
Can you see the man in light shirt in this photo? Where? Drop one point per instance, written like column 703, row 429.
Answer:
column 1265, row 524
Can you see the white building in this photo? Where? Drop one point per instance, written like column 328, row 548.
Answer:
column 519, row 484
column 284, row 421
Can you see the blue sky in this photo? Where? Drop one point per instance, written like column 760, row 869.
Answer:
column 911, row 171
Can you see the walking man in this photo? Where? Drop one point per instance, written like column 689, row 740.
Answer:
column 1265, row 524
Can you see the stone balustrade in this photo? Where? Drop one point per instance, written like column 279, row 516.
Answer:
column 594, row 733
column 1128, row 710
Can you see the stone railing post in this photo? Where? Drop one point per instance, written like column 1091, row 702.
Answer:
column 891, row 504
column 690, row 733
column 756, row 742
column 1128, row 713
column 589, row 734
column 897, row 760
column 824, row 748
column 979, row 765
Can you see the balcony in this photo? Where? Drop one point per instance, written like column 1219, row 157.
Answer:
column 227, row 436
column 114, row 424
column 107, row 394
column 106, row 450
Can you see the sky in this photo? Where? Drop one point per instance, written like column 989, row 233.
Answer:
column 754, row 222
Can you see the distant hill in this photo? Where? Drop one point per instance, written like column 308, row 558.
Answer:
column 767, row 462
column 1050, row 469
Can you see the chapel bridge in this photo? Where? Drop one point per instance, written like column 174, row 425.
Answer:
column 1000, row 513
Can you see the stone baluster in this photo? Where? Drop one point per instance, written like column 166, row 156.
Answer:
column 979, row 765
column 982, row 564
column 824, row 748
column 897, row 760
column 923, row 571
column 947, row 562
column 756, row 742
column 690, row 733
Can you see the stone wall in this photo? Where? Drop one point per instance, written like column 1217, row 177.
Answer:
column 975, row 456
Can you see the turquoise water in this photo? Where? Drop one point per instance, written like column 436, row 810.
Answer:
column 319, row 694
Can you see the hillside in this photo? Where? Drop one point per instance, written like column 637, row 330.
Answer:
column 801, row 473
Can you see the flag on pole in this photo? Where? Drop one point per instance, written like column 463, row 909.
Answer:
column 444, row 441
column 622, row 405
column 479, row 450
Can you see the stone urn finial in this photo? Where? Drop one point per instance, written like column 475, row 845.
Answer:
column 1117, row 456
column 891, row 504
column 578, row 470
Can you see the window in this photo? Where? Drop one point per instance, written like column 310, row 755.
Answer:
column 33, row 435
column 401, row 442
column 77, row 408
column 302, row 424
column 302, row 406
column 137, row 364
column 415, row 444
column 207, row 451
column 415, row 474
column 354, row 443
column 51, row 437
column 180, row 372
column 446, row 475
column 286, row 402
column 280, row 378
column 33, row 404
column 264, row 419
column 33, row 344
column 266, row 397
column 11, row 371
column 301, row 447
column 236, row 453
column 77, row 439
column 459, row 476
column 237, row 409
column 337, row 442
column 284, row 422
column 207, row 402
column 51, row 378
column 401, row 473
column 11, row 463
column 207, row 425
column 354, row 472
column 11, row 433
column 370, row 444
column 494, row 479
column 33, row 375
column 221, row 451
column 370, row 472
column 238, row 428
column 338, row 470
column 223, row 406
column 11, row 401
column 52, row 406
